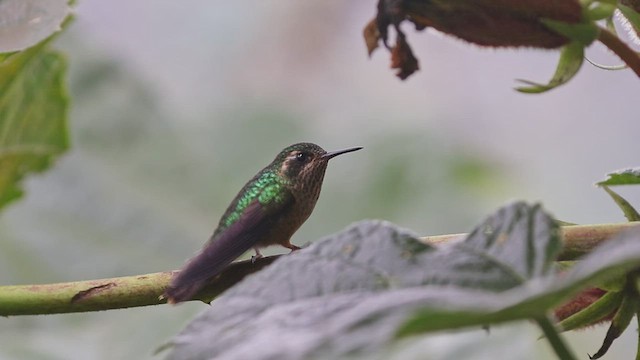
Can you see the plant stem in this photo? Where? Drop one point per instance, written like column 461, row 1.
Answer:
column 113, row 293
column 624, row 52
column 578, row 240
column 143, row 290
column 554, row 338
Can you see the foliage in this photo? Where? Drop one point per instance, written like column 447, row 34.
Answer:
column 362, row 298
column 568, row 25
column 33, row 113
column 374, row 282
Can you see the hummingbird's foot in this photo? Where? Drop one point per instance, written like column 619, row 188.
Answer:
column 255, row 257
column 292, row 247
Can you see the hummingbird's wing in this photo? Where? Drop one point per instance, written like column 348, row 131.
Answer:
column 235, row 240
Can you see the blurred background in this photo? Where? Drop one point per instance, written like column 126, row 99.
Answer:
column 177, row 104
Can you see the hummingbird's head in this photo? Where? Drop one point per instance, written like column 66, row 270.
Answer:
column 305, row 163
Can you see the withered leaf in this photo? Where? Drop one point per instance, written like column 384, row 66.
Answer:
column 402, row 58
column 492, row 23
column 371, row 36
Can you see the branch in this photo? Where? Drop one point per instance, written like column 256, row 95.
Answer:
column 578, row 240
column 114, row 293
column 624, row 52
column 143, row 290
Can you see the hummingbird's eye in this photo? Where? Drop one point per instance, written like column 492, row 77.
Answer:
column 301, row 157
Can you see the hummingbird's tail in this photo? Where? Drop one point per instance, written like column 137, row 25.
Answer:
column 189, row 281
column 201, row 269
column 219, row 252
column 176, row 293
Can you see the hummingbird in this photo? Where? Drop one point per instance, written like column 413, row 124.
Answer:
column 268, row 210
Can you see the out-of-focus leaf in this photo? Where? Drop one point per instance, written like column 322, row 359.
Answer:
column 402, row 58
column 584, row 33
column 619, row 324
column 629, row 176
column 359, row 285
column 484, row 23
column 611, row 26
column 599, row 309
column 371, row 36
column 24, row 23
column 571, row 58
column 629, row 211
column 600, row 10
column 631, row 15
column 4, row 56
column 621, row 253
column 33, row 115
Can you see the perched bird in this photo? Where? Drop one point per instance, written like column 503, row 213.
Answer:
column 267, row 211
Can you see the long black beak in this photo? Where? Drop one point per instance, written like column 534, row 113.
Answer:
column 333, row 154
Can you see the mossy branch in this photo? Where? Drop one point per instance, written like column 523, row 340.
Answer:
column 143, row 290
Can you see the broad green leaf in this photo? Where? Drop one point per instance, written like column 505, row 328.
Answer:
column 621, row 253
column 33, row 115
column 629, row 176
column 24, row 23
column 627, row 209
column 360, row 285
column 630, row 14
column 571, row 57
column 4, row 56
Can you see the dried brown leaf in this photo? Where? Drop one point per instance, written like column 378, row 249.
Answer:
column 402, row 58
column 371, row 36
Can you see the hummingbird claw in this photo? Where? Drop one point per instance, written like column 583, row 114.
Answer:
column 255, row 257
column 292, row 247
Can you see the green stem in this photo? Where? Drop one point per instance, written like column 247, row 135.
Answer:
column 144, row 290
column 113, row 293
column 554, row 338
column 578, row 240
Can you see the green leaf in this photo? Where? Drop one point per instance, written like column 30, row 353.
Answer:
column 629, row 212
column 571, row 58
column 354, row 293
column 629, row 176
column 583, row 33
column 599, row 11
column 611, row 26
column 361, row 284
column 4, row 56
column 603, row 307
column 621, row 253
column 33, row 115
column 619, row 324
column 630, row 14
